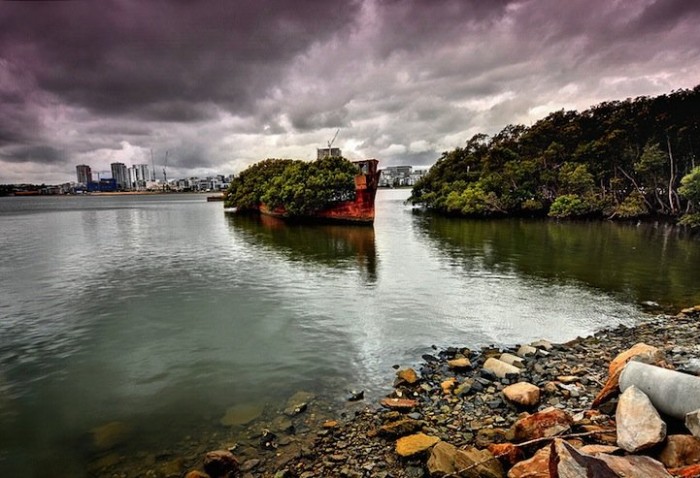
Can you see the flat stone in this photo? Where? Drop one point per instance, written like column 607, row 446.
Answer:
column 459, row 363
column 407, row 376
column 513, row 360
column 691, row 471
column 526, row 351
column 413, row 444
column 522, row 393
column 500, row 369
column 567, row 379
column 680, row 451
column 546, row 423
column 399, row 403
column 639, row 425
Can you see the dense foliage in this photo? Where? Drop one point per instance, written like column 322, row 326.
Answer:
column 619, row 159
column 299, row 187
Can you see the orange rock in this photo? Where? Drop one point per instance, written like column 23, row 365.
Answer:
column 459, row 363
column 448, row 385
column 692, row 471
column 413, row 444
column 399, row 403
column 647, row 353
column 408, row 376
column 507, row 453
column 535, row 467
column 330, row 424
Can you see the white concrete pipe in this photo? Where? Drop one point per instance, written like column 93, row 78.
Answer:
column 673, row 393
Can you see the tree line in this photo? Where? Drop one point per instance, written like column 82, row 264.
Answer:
column 618, row 160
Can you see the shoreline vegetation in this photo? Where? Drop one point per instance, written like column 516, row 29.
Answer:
column 499, row 411
column 622, row 160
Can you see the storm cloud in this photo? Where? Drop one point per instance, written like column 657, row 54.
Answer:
column 220, row 85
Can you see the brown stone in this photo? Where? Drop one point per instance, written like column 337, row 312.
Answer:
column 399, row 403
column 330, row 424
column 568, row 378
column 522, row 393
column 535, row 467
column 220, row 463
column 606, row 435
column 446, row 459
column 459, row 363
column 413, row 444
column 680, row 451
column 400, row 427
column 407, row 376
column 547, row 423
column 645, row 353
column 639, row 425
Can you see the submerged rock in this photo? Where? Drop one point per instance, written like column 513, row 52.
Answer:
column 241, row 414
column 110, row 435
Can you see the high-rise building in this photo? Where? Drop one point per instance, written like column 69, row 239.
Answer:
column 327, row 152
column 120, row 174
column 138, row 175
column 84, row 174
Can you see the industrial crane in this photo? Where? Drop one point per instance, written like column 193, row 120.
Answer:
column 330, row 143
column 165, row 175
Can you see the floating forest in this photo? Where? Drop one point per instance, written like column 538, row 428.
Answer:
column 625, row 160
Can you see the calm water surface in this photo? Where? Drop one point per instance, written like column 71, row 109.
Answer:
column 162, row 311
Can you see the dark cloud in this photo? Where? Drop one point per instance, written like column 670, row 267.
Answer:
column 222, row 84
column 41, row 154
column 132, row 57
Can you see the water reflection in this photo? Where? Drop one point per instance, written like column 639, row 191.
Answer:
column 637, row 263
column 335, row 246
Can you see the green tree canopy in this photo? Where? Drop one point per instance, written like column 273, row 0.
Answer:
column 299, row 187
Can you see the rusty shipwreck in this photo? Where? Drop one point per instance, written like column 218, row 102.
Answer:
column 359, row 210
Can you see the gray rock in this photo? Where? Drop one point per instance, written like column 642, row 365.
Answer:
column 511, row 359
column 692, row 423
column 639, row 425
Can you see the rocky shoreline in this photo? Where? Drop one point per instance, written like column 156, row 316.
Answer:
column 523, row 411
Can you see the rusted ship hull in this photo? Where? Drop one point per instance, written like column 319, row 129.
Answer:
column 358, row 211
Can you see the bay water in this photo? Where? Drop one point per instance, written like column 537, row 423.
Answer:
column 161, row 312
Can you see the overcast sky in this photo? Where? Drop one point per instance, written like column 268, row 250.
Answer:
column 223, row 84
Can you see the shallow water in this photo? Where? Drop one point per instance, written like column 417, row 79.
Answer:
column 162, row 312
